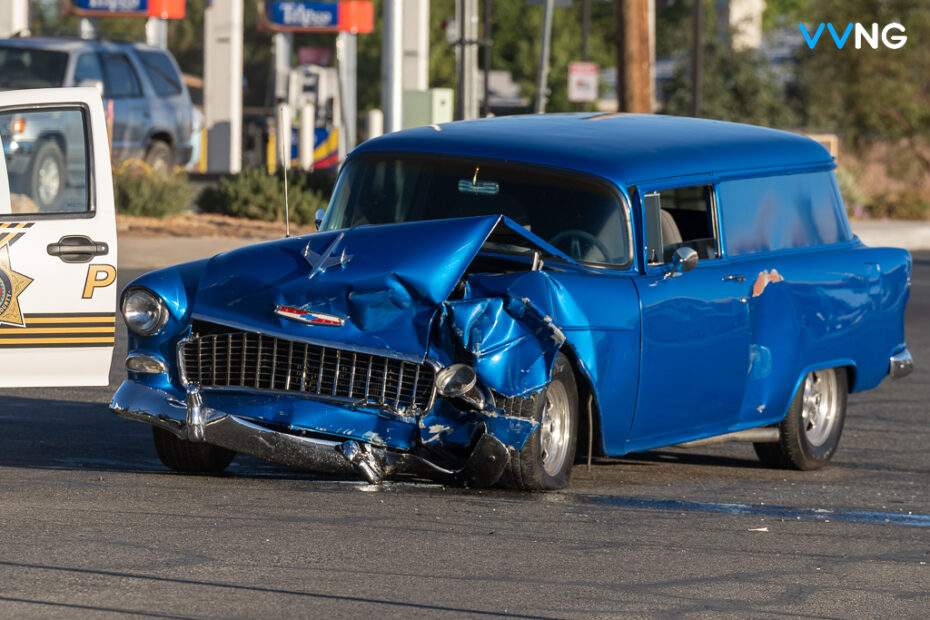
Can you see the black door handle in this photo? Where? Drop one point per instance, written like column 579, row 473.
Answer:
column 77, row 249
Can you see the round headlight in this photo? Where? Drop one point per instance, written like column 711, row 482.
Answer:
column 455, row 380
column 145, row 312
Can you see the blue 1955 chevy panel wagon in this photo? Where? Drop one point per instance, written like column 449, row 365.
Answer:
column 484, row 295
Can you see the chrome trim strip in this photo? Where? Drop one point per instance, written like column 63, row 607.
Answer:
column 901, row 364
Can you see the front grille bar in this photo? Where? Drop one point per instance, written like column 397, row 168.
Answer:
column 231, row 359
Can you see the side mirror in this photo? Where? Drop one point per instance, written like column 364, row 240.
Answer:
column 318, row 217
column 686, row 258
column 93, row 84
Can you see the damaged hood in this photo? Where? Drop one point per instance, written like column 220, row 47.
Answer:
column 382, row 283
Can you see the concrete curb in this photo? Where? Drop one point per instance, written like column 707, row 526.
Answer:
column 157, row 252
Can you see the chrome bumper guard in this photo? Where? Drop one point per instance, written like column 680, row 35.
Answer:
column 902, row 364
column 202, row 424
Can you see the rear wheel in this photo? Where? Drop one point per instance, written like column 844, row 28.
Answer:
column 159, row 158
column 188, row 456
column 810, row 433
column 545, row 462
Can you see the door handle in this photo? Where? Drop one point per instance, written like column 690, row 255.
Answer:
column 737, row 278
column 77, row 249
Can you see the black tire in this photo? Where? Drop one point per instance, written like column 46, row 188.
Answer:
column 528, row 469
column 160, row 158
column 48, row 176
column 190, row 457
column 808, row 441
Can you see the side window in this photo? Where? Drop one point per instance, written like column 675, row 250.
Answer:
column 161, row 72
column 681, row 217
column 45, row 151
column 780, row 212
column 122, row 80
column 87, row 68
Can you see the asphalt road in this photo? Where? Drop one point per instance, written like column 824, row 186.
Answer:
column 91, row 525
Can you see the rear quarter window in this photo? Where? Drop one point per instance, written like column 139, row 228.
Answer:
column 161, row 73
column 781, row 212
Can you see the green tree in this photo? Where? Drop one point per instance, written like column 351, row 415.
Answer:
column 737, row 86
column 868, row 93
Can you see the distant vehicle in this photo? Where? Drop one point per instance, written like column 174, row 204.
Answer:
column 151, row 108
column 486, row 296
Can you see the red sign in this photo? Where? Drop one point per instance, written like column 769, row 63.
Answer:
column 167, row 9
column 582, row 81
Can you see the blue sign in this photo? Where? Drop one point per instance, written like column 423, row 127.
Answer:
column 302, row 15
column 113, row 8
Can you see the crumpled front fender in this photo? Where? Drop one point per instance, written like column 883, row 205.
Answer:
column 513, row 343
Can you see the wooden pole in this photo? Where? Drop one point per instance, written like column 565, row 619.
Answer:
column 634, row 75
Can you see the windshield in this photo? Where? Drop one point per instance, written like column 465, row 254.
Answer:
column 30, row 68
column 582, row 218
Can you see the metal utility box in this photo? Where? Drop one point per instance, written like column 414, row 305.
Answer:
column 427, row 107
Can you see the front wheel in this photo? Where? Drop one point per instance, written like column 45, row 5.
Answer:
column 47, row 176
column 188, row 456
column 811, row 431
column 545, row 462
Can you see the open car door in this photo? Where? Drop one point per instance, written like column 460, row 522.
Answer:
column 57, row 239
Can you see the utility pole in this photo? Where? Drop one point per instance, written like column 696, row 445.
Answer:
column 486, row 46
column 634, row 59
column 697, row 58
column 543, row 78
column 466, row 58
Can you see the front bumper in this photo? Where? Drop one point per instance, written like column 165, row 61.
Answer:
column 193, row 421
column 901, row 364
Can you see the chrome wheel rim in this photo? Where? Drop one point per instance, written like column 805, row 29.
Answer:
column 555, row 429
column 49, row 180
column 820, row 406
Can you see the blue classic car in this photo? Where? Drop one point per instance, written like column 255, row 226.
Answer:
column 487, row 300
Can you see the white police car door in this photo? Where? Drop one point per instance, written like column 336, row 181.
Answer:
column 57, row 239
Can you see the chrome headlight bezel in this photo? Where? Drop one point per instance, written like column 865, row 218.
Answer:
column 145, row 312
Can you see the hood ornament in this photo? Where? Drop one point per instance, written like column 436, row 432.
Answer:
column 323, row 261
column 311, row 318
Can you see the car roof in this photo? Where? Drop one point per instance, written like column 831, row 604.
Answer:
column 629, row 149
column 64, row 44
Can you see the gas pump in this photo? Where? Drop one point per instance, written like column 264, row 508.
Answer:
column 316, row 89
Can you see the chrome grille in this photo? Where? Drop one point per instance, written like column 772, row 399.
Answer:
column 239, row 359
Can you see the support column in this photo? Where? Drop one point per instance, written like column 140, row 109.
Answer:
column 392, row 55
column 416, row 44
column 282, row 44
column 222, row 92
column 347, row 64
column 14, row 18
column 156, row 32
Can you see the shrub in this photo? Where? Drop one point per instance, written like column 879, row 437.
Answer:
column 853, row 194
column 903, row 206
column 253, row 193
column 140, row 191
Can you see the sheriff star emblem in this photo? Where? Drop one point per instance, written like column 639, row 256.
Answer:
column 12, row 284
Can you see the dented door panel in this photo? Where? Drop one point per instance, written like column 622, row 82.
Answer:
column 821, row 309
